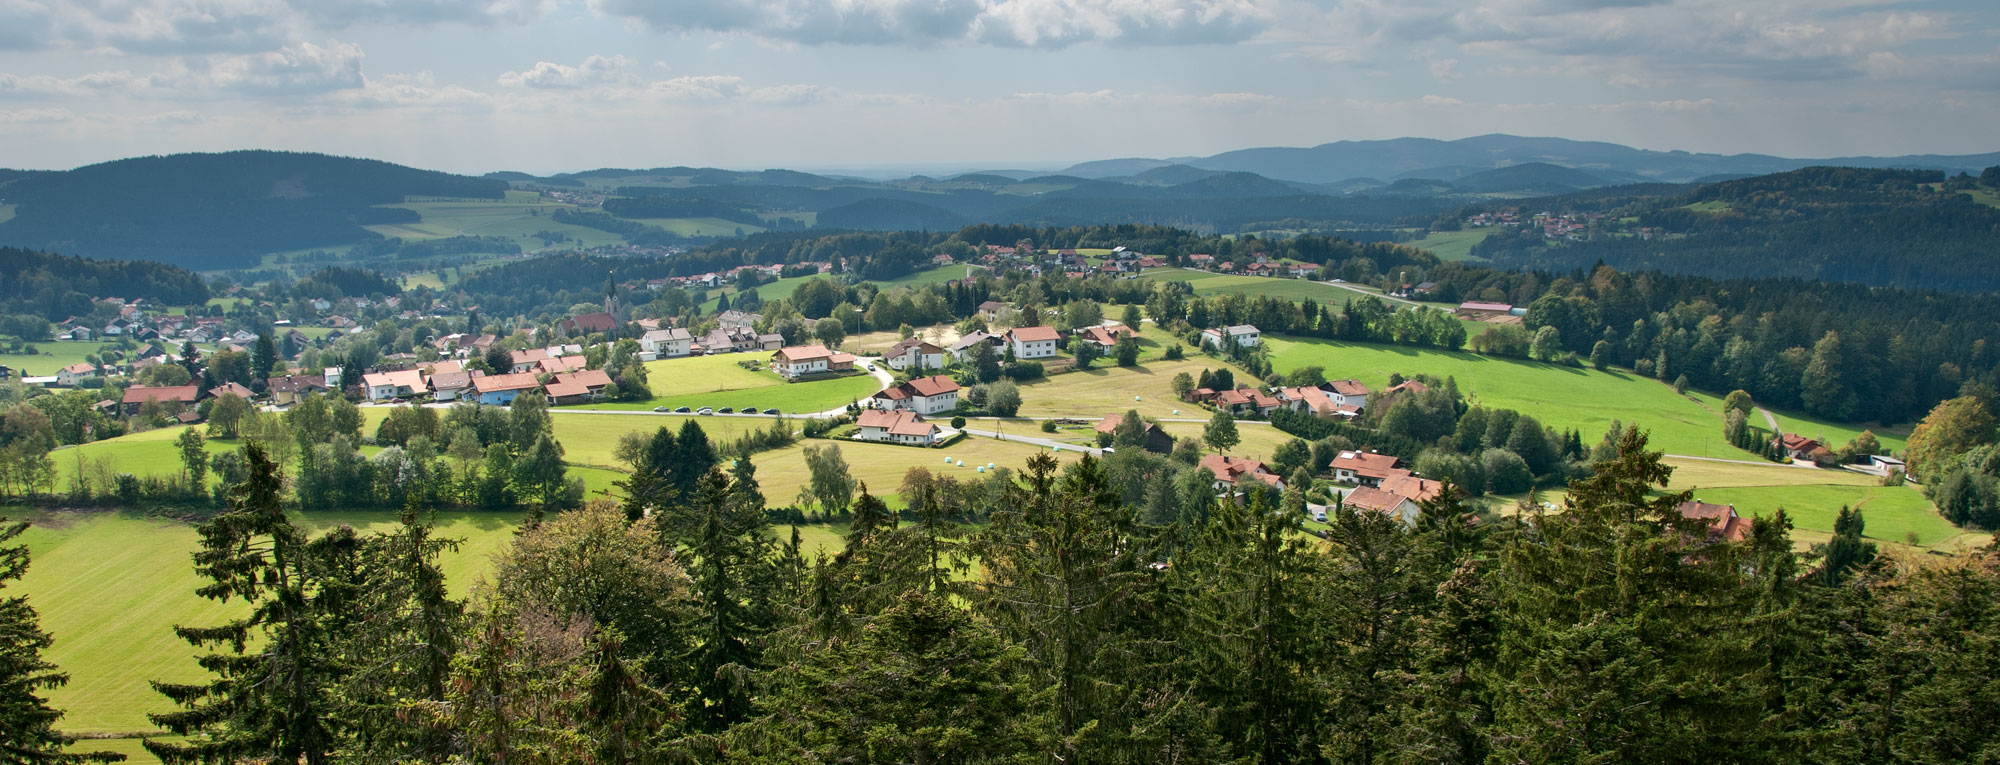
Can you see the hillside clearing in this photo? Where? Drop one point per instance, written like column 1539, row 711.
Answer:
column 1452, row 245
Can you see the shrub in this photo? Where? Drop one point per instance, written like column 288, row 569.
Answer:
column 1048, row 426
column 958, row 423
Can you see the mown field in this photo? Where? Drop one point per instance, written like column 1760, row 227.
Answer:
column 1452, row 245
column 1208, row 284
column 50, row 356
column 518, row 218
column 1107, row 388
column 718, row 381
column 700, row 226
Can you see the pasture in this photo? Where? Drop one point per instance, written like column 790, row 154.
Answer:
column 518, row 218
column 1107, row 388
column 700, row 226
column 1451, row 245
column 49, row 357
column 110, row 586
column 718, row 381
column 881, row 466
column 1207, row 284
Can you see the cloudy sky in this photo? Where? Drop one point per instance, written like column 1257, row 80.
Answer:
column 554, row 85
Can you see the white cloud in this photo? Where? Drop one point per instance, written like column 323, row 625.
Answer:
column 1445, row 69
column 36, row 116
column 1014, row 23
column 595, row 70
column 299, row 69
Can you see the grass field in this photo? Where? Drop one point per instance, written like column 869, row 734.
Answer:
column 111, row 586
column 717, row 381
column 517, row 218
column 50, row 356
column 1561, row 397
column 881, row 466
column 1452, row 245
column 772, row 290
column 1207, row 285
column 7, row 212
column 1110, row 389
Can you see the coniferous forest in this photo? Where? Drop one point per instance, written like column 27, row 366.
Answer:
column 684, row 626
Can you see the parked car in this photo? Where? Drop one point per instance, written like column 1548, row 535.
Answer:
column 659, row 409
column 749, row 410
column 726, row 410
column 682, row 410
column 704, row 411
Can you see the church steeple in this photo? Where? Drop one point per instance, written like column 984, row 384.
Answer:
column 610, row 295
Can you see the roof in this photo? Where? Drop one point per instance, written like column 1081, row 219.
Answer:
column 935, row 385
column 233, row 389
column 1490, row 307
column 899, row 422
column 407, row 378
column 1408, row 386
column 1369, row 498
column 595, row 322
column 970, row 339
column 1347, row 387
column 839, row 358
column 1411, row 487
column 662, row 335
column 914, row 342
column 1796, row 442
column 1032, row 334
column 498, row 383
column 1723, row 521
column 443, row 367
column 1366, row 463
column 563, row 389
column 992, row 305
column 139, row 394
column 561, row 364
column 81, row 367
column 1242, row 329
column 1111, row 422
column 802, row 353
column 295, row 384
column 528, row 356
column 1227, row 468
column 592, row 378
column 450, row 380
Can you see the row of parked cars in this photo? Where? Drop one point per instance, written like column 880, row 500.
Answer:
column 707, row 410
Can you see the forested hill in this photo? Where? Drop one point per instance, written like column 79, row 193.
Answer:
column 57, row 286
column 214, row 211
column 1896, row 228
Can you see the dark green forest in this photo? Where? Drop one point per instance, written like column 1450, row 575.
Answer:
column 1875, row 227
column 215, row 211
column 56, row 287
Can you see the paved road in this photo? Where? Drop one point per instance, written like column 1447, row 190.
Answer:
column 1041, row 442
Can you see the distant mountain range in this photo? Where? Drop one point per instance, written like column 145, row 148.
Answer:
column 1429, row 158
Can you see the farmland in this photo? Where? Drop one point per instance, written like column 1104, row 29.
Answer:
column 1208, row 284
column 51, row 356
column 718, row 381
column 518, row 218
column 1107, row 389
column 1451, row 245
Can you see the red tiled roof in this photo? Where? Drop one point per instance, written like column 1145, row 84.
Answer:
column 140, row 394
column 1348, row 387
column 1723, row 521
column 1033, row 334
column 497, row 383
column 1369, row 498
column 802, row 353
column 1365, row 463
column 935, row 385
column 1227, row 468
column 591, row 378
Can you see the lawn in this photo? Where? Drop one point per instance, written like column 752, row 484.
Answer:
column 938, row 275
column 1893, row 513
column 1110, row 389
column 1558, row 396
column 768, row 291
column 147, row 453
column 1834, row 435
column 717, row 381
column 111, row 586
column 1452, row 245
column 1208, row 284
column 589, row 439
column 881, row 466
column 50, row 356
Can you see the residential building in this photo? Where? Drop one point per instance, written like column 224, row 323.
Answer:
column 75, row 373
column 1106, row 337
column 286, row 390
column 898, row 426
column 137, row 396
column 577, row 387
column 1242, row 334
column 1365, row 468
column 962, row 349
column 1347, row 392
column 503, row 389
column 526, row 361
column 1390, row 504
column 1155, row 438
column 914, row 354
column 1723, row 522
column 1798, row 447
column 231, row 389
column 449, row 386
column 667, row 343
column 802, row 360
column 1247, row 401
column 990, row 310
column 1030, row 343
column 560, row 364
column 736, row 318
column 1228, row 470
column 1317, row 401
column 382, row 386
column 924, row 395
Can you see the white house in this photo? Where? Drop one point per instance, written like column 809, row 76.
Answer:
column 70, row 375
column 1347, row 393
column 1394, row 505
column 387, row 385
column 1242, row 334
column 924, row 395
column 899, row 427
column 667, row 343
column 800, row 360
column 915, row 354
column 962, row 350
column 1031, row 343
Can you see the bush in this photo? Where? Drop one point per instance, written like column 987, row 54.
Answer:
column 1176, row 351
column 958, row 423
column 1022, row 370
column 1048, row 426
column 1003, row 398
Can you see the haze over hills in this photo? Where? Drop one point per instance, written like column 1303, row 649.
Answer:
column 1447, row 160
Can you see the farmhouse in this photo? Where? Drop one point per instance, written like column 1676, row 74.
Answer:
column 1365, row 468
column 1247, row 401
column 1241, row 334
column 1387, row 503
column 137, row 396
column 75, row 373
column 1228, row 469
column 1723, row 522
column 1797, row 447
column 577, row 387
column 1033, row 342
column 503, row 389
column 924, row 395
column 914, row 354
column 1105, row 337
column 382, row 386
column 801, row 360
column 901, row 427
column 667, row 343
column 1155, row 439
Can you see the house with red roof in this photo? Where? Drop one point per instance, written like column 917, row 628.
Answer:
column 1228, row 470
column 1365, row 468
column 138, row 396
column 897, row 426
column 1030, row 343
column 923, row 395
column 1723, row 522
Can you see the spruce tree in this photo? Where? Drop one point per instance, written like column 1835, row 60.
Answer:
column 271, row 703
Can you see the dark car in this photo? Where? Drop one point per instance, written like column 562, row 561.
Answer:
column 726, row 410
column 682, row 410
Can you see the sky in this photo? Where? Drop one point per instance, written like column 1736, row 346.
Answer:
column 547, row 86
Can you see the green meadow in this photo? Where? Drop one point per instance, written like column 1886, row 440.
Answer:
column 1452, row 245
column 49, row 357
column 718, row 381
